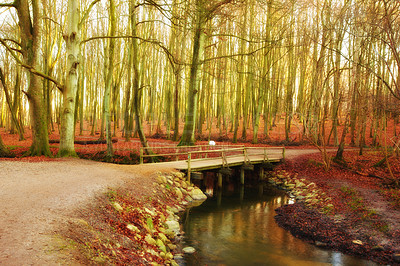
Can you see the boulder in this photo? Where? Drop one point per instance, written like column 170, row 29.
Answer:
column 117, row 206
column 290, row 186
column 150, row 240
column 179, row 174
column 174, row 226
column 189, row 250
column 161, row 179
column 163, row 237
column 197, row 194
column 178, row 256
column 321, row 244
column 161, row 245
column 132, row 228
column 188, row 198
column 184, row 184
column 377, row 248
column 178, row 193
column 171, row 246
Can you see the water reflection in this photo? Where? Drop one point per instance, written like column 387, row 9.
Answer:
column 238, row 228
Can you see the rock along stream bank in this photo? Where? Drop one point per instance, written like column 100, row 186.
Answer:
column 120, row 228
column 316, row 217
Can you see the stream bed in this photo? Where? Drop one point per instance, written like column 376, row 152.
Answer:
column 237, row 227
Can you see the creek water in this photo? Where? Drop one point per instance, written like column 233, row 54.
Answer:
column 237, row 227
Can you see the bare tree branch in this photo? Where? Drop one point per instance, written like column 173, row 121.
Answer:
column 87, row 12
column 171, row 58
column 7, row 4
column 31, row 68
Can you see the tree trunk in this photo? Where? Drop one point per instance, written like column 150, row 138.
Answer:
column 135, row 81
column 109, row 79
column 15, row 120
column 29, row 21
column 339, row 153
column 191, row 105
column 72, row 40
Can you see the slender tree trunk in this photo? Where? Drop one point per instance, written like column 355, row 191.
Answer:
column 12, row 110
column 291, row 80
column 135, row 80
column 339, row 153
column 109, row 78
column 127, row 125
column 192, row 105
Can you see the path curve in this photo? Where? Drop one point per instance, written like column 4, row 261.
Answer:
column 35, row 198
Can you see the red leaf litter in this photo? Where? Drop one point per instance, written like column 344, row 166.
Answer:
column 365, row 221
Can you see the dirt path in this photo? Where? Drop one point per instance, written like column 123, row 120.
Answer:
column 35, row 198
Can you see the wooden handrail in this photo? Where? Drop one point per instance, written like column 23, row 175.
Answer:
column 184, row 153
column 223, row 151
column 183, row 147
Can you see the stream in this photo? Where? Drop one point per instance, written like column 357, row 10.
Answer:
column 237, row 227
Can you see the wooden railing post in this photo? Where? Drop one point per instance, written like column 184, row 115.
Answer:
column 283, row 153
column 224, row 160
column 141, row 155
column 189, row 166
column 265, row 154
column 246, row 157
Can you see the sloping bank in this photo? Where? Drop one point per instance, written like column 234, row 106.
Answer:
column 314, row 217
column 120, row 228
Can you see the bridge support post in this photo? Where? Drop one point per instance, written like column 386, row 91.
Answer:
column 261, row 173
column 242, row 175
column 219, row 175
column 189, row 167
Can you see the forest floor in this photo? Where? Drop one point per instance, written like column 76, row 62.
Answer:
column 350, row 208
column 39, row 196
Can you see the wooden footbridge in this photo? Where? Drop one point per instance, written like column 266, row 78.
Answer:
column 194, row 159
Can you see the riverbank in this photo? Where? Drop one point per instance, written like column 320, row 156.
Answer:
column 350, row 210
column 121, row 228
column 50, row 209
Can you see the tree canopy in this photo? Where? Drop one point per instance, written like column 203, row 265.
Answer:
column 236, row 65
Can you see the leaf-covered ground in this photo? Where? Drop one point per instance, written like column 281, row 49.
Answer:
column 365, row 218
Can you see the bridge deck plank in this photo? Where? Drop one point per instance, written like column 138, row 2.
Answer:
column 215, row 163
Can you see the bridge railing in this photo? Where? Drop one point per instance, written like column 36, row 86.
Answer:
column 180, row 152
column 203, row 152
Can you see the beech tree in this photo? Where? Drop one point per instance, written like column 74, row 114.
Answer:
column 204, row 11
column 72, row 40
column 29, row 20
column 252, row 64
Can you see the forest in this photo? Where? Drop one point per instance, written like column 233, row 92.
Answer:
column 314, row 77
column 328, row 70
